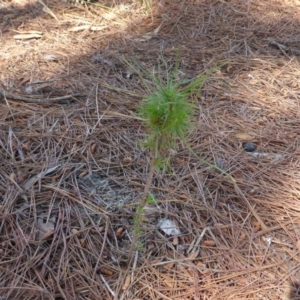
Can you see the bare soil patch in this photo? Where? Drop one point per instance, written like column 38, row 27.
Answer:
column 72, row 170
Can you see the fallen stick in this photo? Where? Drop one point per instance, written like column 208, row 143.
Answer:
column 5, row 95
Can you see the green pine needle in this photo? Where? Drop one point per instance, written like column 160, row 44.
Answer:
column 167, row 115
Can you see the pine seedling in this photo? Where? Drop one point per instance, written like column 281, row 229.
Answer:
column 167, row 114
column 150, row 200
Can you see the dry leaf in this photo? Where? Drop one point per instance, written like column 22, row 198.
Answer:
column 242, row 281
column 169, row 265
column 126, row 283
column 252, row 191
column 175, row 241
column 30, row 90
column 259, row 259
column 31, row 181
column 219, row 73
column 12, row 176
column 82, row 174
column 243, row 136
column 292, row 135
column 46, row 225
column 47, row 235
column 93, row 231
column 55, row 178
column 106, row 271
column 200, row 265
column 169, row 281
column 127, row 160
column 119, row 231
column 74, row 231
column 82, row 243
column 183, row 197
column 242, row 236
column 169, row 227
column 228, row 68
column 25, row 147
column 193, row 255
column 257, row 228
column 206, row 272
column 180, row 161
column 272, row 115
column 208, row 243
column 156, row 30
column 93, row 147
column 261, row 122
column 65, row 170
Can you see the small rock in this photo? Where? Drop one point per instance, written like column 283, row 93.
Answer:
column 249, row 147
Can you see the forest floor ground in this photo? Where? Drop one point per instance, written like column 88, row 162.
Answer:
column 73, row 169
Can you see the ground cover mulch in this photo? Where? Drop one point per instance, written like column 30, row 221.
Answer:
column 73, row 169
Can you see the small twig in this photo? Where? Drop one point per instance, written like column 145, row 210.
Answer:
column 284, row 48
column 143, row 203
column 134, row 264
column 150, row 177
column 5, row 95
column 106, row 284
column 194, row 247
column 255, row 214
